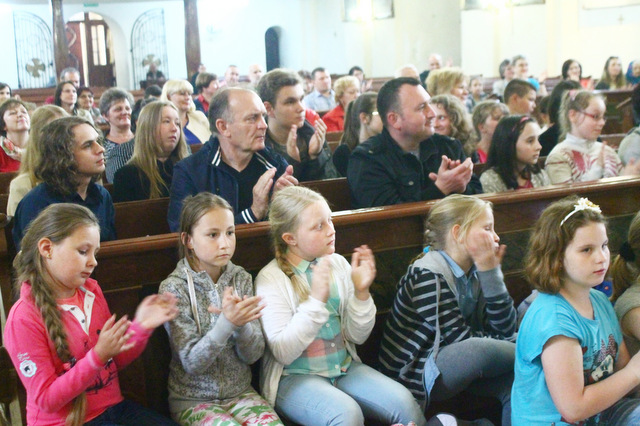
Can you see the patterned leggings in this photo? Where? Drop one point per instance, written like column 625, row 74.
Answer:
column 249, row 408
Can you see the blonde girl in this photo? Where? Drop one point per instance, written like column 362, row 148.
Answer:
column 453, row 324
column 318, row 307
column 625, row 271
column 159, row 145
column 216, row 335
column 580, row 157
column 27, row 179
column 62, row 339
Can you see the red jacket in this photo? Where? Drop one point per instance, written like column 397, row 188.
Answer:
column 51, row 385
column 334, row 119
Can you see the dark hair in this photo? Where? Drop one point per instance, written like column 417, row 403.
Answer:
column 57, row 165
column 635, row 99
column 83, row 89
column 567, row 65
column 153, row 90
column 389, row 97
column 316, row 70
column 271, row 83
column 518, row 87
column 614, row 83
column 56, row 96
column 355, row 68
column 555, row 98
column 503, row 67
column 3, row 85
column 305, row 74
column 6, row 106
column 365, row 103
column 544, row 104
column 203, row 80
column 502, row 152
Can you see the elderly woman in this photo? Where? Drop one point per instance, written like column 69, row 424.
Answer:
column 194, row 123
column 159, row 145
column 448, row 81
column 27, row 179
column 14, row 133
column 346, row 90
column 115, row 106
column 66, row 97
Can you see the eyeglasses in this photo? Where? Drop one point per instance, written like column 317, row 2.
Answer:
column 596, row 117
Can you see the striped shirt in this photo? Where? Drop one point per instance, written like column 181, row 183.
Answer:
column 409, row 335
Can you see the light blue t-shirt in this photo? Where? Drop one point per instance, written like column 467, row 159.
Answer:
column 551, row 315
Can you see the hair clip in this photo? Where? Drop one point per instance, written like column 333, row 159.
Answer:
column 582, row 204
column 626, row 252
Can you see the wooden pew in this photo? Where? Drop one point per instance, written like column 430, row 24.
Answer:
column 149, row 217
column 5, row 180
column 619, row 112
column 130, row 269
column 39, row 96
column 613, row 140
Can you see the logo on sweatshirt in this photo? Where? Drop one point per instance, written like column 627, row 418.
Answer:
column 28, row 368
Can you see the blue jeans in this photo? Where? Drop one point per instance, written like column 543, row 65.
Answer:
column 129, row 413
column 624, row 412
column 347, row 400
column 480, row 365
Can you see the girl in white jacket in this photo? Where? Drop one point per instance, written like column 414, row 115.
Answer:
column 317, row 308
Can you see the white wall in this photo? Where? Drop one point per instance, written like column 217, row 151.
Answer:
column 548, row 35
column 313, row 34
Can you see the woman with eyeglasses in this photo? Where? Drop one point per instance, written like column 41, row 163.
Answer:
column 195, row 124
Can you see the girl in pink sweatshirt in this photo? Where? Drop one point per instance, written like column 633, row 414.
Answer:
column 62, row 339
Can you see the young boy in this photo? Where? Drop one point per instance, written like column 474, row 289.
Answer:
column 289, row 134
column 520, row 97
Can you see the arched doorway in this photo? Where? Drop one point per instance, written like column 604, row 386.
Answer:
column 90, row 44
column 272, row 47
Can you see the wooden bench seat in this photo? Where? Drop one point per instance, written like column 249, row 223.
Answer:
column 130, row 269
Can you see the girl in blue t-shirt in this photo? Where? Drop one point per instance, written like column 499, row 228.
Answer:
column 572, row 364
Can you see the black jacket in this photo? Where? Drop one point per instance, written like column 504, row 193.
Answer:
column 380, row 173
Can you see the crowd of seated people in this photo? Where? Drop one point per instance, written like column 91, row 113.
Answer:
column 253, row 142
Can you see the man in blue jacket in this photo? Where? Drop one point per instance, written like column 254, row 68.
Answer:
column 407, row 161
column 234, row 163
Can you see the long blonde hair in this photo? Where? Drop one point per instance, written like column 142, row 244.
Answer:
column 41, row 117
column 146, row 150
column 57, row 222
column 284, row 216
